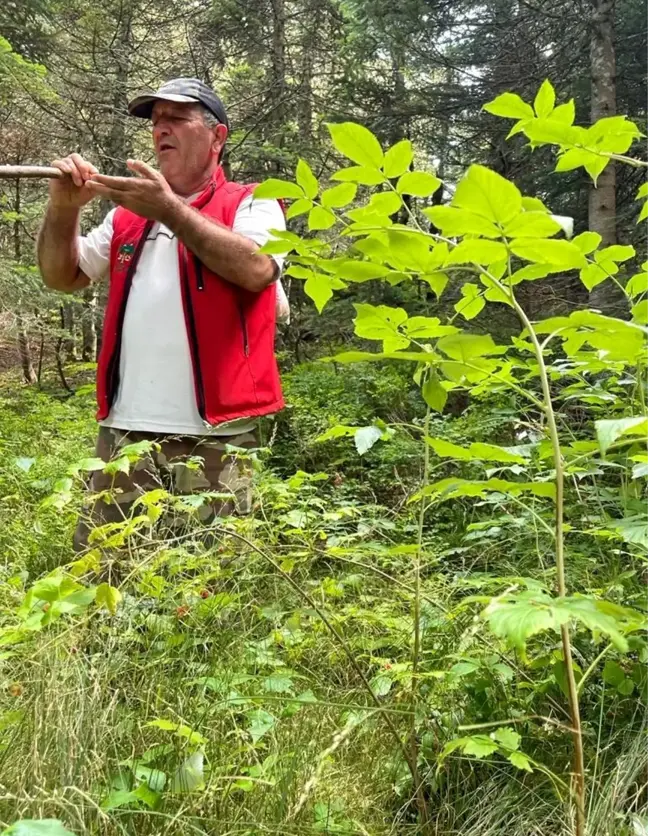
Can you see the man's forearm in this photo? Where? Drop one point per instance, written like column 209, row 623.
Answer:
column 57, row 251
column 230, row 255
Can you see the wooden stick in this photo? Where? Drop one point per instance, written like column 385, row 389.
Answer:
column 33, row 171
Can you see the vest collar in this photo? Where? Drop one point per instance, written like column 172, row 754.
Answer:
column 218, row 178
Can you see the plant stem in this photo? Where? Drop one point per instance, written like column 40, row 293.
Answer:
column 577, row 734
column 416, row 649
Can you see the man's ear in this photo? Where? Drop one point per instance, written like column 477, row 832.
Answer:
column 220, row 136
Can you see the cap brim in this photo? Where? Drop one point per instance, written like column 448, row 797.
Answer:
column 142, row 106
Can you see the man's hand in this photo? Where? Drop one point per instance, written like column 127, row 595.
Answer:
column 72, row 192
column 148, row 195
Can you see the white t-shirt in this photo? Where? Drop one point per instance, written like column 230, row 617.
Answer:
column 156, row 385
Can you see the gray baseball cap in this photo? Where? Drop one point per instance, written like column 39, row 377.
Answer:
column 180, row 90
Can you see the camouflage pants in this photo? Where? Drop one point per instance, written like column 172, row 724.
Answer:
column 167, row 467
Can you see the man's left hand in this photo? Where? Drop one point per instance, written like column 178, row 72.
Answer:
column 148, row 195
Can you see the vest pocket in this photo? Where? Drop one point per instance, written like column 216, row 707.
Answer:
column 246, row 345
column 200, row 282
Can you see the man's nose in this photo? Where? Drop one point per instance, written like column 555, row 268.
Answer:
column 161, row 129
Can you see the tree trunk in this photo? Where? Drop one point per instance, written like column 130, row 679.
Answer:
column 602, row 197
column 276, row 118
column 311, row 33
column 68, row 326
column 88, row 328
column 29, row 374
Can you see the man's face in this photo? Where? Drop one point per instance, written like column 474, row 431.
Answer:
column 186, row 149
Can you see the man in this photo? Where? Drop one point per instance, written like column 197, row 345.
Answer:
column 187, row 357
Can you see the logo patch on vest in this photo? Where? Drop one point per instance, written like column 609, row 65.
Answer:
column 124, row 256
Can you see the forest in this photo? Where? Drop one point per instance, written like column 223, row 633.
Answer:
column 433, row 620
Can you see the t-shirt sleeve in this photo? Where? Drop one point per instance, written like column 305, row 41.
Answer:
column 94, row 249
column 255, row 218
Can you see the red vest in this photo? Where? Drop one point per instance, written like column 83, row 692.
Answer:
column 231, row 331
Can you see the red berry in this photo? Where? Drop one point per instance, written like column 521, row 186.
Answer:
column 205, row 593
column 182, row 611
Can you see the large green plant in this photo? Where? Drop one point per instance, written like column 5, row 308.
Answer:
column 489, row 240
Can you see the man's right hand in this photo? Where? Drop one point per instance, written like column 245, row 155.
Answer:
column 71, row 191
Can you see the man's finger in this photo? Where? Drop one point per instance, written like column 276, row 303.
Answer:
column 143, row 169
column 121, row 183
column 85, row 168
column 68, row 167
column 116, row 195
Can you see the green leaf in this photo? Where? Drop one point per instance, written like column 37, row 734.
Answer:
column 189, row 776
column 521, row 761
column 147, row 795
column 418, row 183
column 517, row 619
column 381, row 323
column 471, row 303
column 532, row 225
column 507, row 737
column 155, row 779
column 434, row 395
column 643, row 214
column 453, row 222
column 108, row 597
column 613, row 673
column 117, row 798
column 616, row 252
column 306, row 179
column 488, row 194
column 563, row 254
column 359, row 174
column 633, row 530
column 381, row 684
column 357, row 143
column 26, row 464
column 478, row 251
column 278, row 683
column 544, row 100
column 299, row 207
column 180, row 729
column 275, row 188
column 453, row 487
column 479, row 746
column 369, row 357
column 426, row 327
column 339, row 196
column 366, row 437
column 385, row 203
column 437, row 281
column 638, row 284
column 495, row 292
column 564, row 113
column 587, row 242
column 260, row 723
column 640, row 312
column 464, row 347
column 319, row 288
column 37, row 827
column 608, row 430
column 360, row 271
column 476, row 451
column 398, row 159
column 320, row 218
column 510, row 106
column 594, row 274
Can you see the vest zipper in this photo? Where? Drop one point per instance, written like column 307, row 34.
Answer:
column 192, row 334
column 200, row 283
column 246, row 345
column 113, row 365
